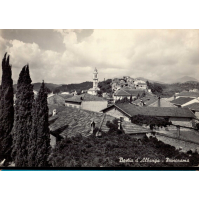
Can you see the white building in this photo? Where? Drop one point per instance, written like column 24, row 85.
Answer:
column 93, row 91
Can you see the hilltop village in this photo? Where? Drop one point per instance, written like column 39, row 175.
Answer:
column 137, row 109
column 95, row 125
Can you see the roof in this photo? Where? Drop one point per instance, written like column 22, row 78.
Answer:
column 57, row 99
column 164, row 102
column 181, row 100
column 193, row 106
column 128, row 92
column 148, row 100
column 189, row 94
column 84, row 97
column 71, row 121
column 132, row 110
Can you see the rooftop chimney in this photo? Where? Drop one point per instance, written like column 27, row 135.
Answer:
column 159, row 101
column 92, row 126
column 119, row 124
column 178, row 131
column 54, row 112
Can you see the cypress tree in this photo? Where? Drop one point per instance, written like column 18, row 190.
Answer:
column 23, row 118
column 6, row 110
column 131, row 99
column 39, row 143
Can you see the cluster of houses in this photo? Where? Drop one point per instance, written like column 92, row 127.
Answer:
column 73, row 114
column 127, row 81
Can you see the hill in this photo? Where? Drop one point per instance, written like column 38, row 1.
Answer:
column 38, row 85
column 185, row 79
column 152, row 81
column 74, row 87
column 169, row 90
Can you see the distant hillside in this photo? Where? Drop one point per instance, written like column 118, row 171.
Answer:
column 75, row 87
column 170, row 89
column 38, row 85
column 185, row 79
column 152, row 81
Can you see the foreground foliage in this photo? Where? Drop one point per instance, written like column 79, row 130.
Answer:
column 23, row 118
column 150, row 121
column 109, row 150
column 6, row 110
column 39, row 140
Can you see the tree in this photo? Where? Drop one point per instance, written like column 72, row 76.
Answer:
column 143, row 95
column 56, row 91
column 6, row 110
column 39, row 141
column 23, row 118
column 131, row 99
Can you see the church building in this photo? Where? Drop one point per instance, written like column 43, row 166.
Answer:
column 93, row 91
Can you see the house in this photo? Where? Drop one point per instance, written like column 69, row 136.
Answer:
column 141, row 85
column 179, row 102
column 146, row 100
column 161, row 102
column 178, row 116
column 122, row 93
column 194, row 107
column 87, row 102
column 58, row 99
column 187, row 94
column 69, row 122
column 65, row 92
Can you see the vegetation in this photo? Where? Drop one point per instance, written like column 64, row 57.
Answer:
column 168, row 90
column 156, row 88
column 150, row 121
column 6, row 110
column 74, row 87
column 23, row 118
column 108, row 150
column 105, row 86
column 39, row 141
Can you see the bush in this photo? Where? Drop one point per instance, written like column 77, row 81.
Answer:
column 105, row 152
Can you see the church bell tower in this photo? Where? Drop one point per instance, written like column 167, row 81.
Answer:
column 95, row 79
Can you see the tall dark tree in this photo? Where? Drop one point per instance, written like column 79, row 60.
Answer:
column 131, row 99
column 6, row 109
column 23, row 118
column 39, row 141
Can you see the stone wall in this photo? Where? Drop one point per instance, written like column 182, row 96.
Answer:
column 181, row 121
column 95, row 106
column 52, row 141
column 177, row 143
column 115, row 113
column 72, row 105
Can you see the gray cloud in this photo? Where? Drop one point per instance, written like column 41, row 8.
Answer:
column 69, row 56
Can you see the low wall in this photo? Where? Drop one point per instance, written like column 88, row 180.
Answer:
column 177, row 143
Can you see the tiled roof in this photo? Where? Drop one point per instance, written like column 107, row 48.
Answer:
column 181, row 100
column 147, row 100
column 56, row 99
column 128, row 92
column 84, row 97
column 164, row 102
column 189, row 94
column 71, row 121
column 193, row 106
column 132, row 110
column 65, row 96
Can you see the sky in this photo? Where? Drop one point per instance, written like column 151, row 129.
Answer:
column 70, row 56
